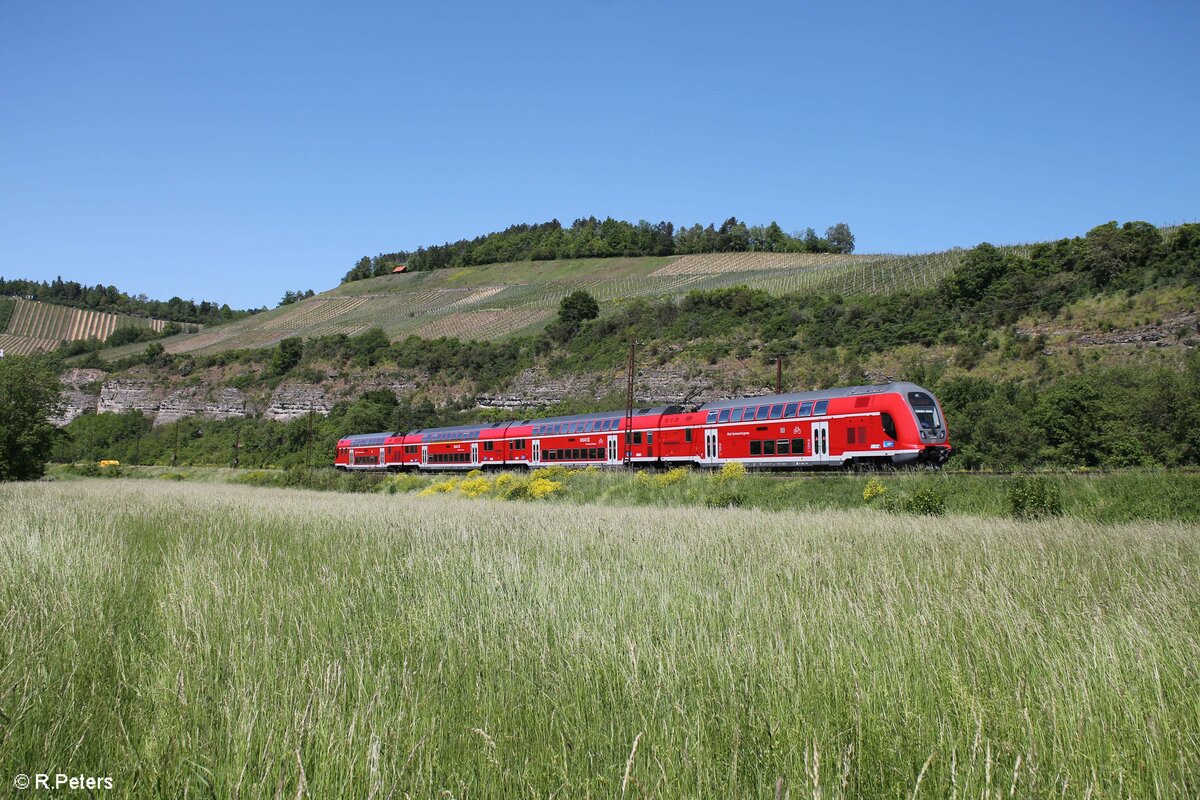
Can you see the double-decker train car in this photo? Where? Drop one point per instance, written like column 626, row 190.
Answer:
column 362, row 451
column 895, row 423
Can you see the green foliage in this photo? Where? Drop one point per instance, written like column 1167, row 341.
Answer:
column 130, row 335
column 290, row 297
column 286, row 356
column 928, row 500
column 29, row 393
column 1034, row 498
column 320, row 479
column 575, row 309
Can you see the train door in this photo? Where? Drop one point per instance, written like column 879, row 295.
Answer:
column 613, row 458
column 820, row 442
column 474, row 452
column 382, row 458
column 710, row 446
column 424, row 454
column 537, row 451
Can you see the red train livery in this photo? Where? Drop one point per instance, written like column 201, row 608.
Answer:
column 894, row 423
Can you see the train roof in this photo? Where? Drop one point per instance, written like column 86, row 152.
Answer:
column 365, row 439
column 821, row 394
column 620, row 413
column 456, row 431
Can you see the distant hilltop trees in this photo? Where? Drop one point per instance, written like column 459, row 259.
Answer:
column 114, row 301
column 593, row 238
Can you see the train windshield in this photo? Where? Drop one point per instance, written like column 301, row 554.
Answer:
column 926, row 410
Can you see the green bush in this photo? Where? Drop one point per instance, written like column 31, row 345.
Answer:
column 926, row 500
column 398, row 484
column 725, row 497
column 1034, row 498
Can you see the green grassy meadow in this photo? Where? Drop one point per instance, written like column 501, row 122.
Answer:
column 209, row 640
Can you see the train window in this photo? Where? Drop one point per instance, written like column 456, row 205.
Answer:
column 926, row 410
column 797, row 447
column 587, row 428
column 575, row 454
column 762, row 411
column 489, row 445
column 805, row 409
column 781, row 447
column 687, row 435
column 849, row 435
column 790, row 410
column 769, row 447
column 723, row 416
column 755, row 448
column 736, row 415
column 637, row 437
column 712, row 417
column 650, row 437
column 777, row 411
column 889, row 424
column 820, row 408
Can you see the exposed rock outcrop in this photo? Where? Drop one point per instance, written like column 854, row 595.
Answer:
column 665, row 384
column 292, row 400
column 227, row 403
column 80, row 393
column 123, row 394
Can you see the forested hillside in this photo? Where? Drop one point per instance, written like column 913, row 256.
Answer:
column 1079, row 352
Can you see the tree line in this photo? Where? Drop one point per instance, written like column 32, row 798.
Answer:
column 112, row 300
column 594, row 238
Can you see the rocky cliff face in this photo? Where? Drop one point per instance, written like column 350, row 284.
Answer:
column 79, row 393
column 292, row 400
column 124, row 394
column 93, row 390
column 227, row 403
column 666, row 384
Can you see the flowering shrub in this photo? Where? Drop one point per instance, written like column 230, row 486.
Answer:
column 873, row 489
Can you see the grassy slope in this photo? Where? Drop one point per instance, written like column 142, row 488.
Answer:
column 233, row 641
column 501, row 299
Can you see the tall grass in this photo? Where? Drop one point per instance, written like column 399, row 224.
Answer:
column 208, row 640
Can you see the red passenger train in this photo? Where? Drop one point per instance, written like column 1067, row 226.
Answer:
column 894, row 423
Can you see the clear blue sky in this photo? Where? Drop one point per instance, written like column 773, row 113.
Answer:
column 232, row 150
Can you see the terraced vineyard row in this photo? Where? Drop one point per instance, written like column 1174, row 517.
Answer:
column 47, row 324
column 313, row 313
column 490, row 324
column 23, row 345
column 721, row 263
